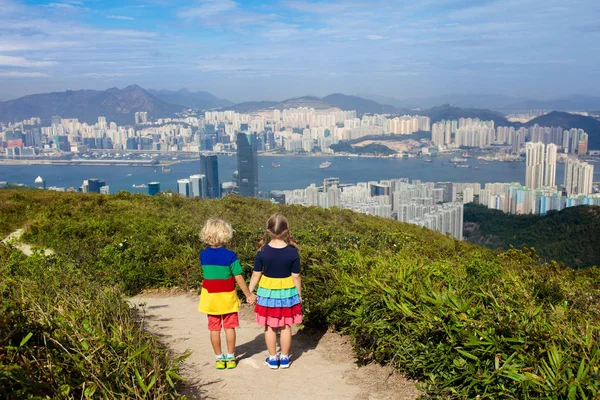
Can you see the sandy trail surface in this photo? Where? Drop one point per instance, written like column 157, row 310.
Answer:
column 27, row 249
column 322, row 363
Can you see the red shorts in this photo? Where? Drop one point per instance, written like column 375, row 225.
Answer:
column 227, row 321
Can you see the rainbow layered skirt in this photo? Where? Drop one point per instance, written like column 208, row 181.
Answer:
column 278, row 302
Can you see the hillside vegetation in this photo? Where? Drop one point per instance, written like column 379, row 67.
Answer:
column 463, row 320
column 569, row 236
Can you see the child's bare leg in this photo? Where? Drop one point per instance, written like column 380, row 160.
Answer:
column 271, row 340
column 215, row 340
column 285, row 339
column 230, row 338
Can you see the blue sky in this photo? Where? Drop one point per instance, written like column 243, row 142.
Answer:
column 271, row 50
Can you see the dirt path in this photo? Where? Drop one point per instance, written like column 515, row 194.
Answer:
column 27, row 249
column 322, row 364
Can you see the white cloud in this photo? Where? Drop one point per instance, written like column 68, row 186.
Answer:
column 10, row 61
column 20, row 74
column 375, row 37
column 122, row 17
column 207, row 8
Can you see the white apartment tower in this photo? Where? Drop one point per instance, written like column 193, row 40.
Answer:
column 534, row 172
column 550, row 166
column 578, row 177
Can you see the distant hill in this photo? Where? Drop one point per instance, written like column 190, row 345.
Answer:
column 570, row 236
column 469, row 100
column 183, row 97
column 305, row 101
column 336, row 100
column 250, row 106
column 567, row 121
column 362, row 106
column 447, row 111
column 570, row 103
column 117, row 105
column 503, row 103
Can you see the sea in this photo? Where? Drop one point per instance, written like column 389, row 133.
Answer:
column 281, row 172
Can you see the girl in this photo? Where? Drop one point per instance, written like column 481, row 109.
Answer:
column 277, row 273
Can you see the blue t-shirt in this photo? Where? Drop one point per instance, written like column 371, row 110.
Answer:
column 277, row 263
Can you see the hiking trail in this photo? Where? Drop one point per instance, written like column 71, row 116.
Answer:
column 322, row 363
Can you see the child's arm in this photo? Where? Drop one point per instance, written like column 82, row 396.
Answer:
column 242, row 284
column 254, row 280
column 298, row 283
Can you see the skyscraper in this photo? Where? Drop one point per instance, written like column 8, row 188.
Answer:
column 578, row 177
column 247, row 162
column 534, row 171
column 209, row 167
column 153, row 188
column 550, row 166
column 184, row 187
column 198, row 182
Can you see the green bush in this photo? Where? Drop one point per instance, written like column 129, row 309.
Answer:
column 463, row 320
column 62, row 335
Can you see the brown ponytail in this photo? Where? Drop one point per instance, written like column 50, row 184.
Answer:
column 277, row 228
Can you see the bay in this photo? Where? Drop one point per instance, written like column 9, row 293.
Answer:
column 293, row 173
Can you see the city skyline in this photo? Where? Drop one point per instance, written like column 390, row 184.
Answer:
column 281, row 49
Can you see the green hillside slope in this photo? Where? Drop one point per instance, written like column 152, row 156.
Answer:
column 463, row 320
column 569, row 236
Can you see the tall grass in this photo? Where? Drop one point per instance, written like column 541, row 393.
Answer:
column 63, row 335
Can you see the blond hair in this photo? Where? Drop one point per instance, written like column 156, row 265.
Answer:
column 216, row 232
column 277, row 228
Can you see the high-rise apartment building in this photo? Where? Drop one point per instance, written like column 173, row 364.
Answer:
column 153, row 188
column 550, row 166
column 184, row 187
column 247, row 163
column 198, row 186
column 534, row 171
column 209, row 167
column 578, row 177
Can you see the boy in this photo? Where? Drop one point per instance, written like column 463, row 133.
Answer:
column 221, row 269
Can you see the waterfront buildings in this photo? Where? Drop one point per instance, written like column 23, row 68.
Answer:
column 578, row 177
column 198, row 186
column 39, row 183
column 514, row 198
column 247, row 163
column 416, row 202
column 550, row 166
column 209, row 167
column 540, row 165
column 92, row 185
column 184, row 187
column 153, row 188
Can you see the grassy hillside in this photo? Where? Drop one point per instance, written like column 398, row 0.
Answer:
column 569, row 236
column 462, row 319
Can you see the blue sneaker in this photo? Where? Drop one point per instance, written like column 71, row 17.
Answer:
column 284, row 361
column 273, row 363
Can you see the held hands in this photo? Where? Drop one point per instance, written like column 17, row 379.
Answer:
column 251, row 299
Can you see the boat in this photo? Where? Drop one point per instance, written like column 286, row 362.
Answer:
column 462, row 166
column 165, row 169
column 324, row 165
column 428, row 160
column 456, row 160
column 275, row 165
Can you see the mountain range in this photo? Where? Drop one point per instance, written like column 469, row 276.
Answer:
column 507, row 104
column 183, row 97
column 117, row 105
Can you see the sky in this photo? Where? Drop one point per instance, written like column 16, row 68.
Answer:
column 272, row 50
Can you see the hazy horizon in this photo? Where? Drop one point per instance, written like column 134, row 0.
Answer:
column 275, row 50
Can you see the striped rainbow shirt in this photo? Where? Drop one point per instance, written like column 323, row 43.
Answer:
column 218, row 296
